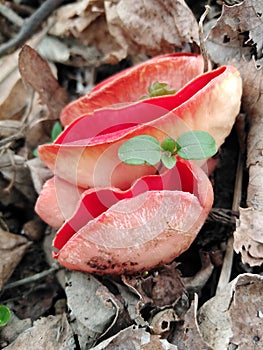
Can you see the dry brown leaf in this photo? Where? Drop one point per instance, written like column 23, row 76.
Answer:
column 72, row 19
column 151, row 26
column 111, row 30
column 52, row 332
column 12, row 249
column 14, row 104
column 87, row 296
column 238, row 33
column 13, row 168
column 163, row 288
column 187, row 335
column 11, row 331
column 14, row 95
column 9, row 127
column 39, row 173
column 162, row 321
column 134, row 338
column 36, row 72
column 233, row 318
column 86, row 38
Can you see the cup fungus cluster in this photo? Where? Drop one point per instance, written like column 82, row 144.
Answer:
column 116, row 218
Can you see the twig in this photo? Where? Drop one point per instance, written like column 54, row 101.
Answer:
column 228, row 259
column 202, row 39
column 11, row 15
column 30, row 26
column 33, row 278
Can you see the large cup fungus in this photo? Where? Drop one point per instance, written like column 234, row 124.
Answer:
column 119, row 218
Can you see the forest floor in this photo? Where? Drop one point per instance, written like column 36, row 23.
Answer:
column 210, row 297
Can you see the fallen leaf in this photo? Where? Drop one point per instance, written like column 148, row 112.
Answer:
column 112, row 30
column 163, row 321
column 76, row 17
column 164, row 287
column 13, row 168
column 151, row 26
column 15, row 326
column 36, row 72
column 134, row 338
column 93, row 307
column 52, row 332
column 9, row 127
column 12, row 249
column 186, row 334
column 38, row 301
column 86, row 40
column 233, row 318
column 39, row 173
column 238, row 33
column 13, row 94
column 14, row 104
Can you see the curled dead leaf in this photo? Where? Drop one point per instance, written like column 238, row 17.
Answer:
column 12, row 249
column 234, row 316
column 119, row 28
column 151, row 26
column 237, row 33
column 52, row 332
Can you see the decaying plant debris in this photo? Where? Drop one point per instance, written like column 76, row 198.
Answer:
column 173, row 306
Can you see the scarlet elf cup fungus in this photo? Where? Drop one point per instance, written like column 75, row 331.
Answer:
column 122, row 217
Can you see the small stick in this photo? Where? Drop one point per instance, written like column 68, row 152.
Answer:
column 228, row 259
column 202, row 39
column 11, row 15
column 33, row 278
column 30, row 26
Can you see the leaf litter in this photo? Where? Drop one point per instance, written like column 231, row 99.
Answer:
column 157, row 310
column 239, row 31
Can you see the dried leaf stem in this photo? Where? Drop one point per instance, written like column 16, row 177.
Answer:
column 30, row 26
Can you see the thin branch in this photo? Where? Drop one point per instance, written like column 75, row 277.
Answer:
column 30, row 26
column 34, row 278
column 202, row 39
column 11, row 15
column 228, row 259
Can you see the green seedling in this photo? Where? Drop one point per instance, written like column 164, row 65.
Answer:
column 5, row 315
column 146, row 149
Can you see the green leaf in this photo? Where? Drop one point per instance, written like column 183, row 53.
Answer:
column 5, row 315
column 168, row 144
column 168, row 161
column 56, row 130
column 196, row 145
column 140, row 150
column 35, row 152
column 159, row 89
